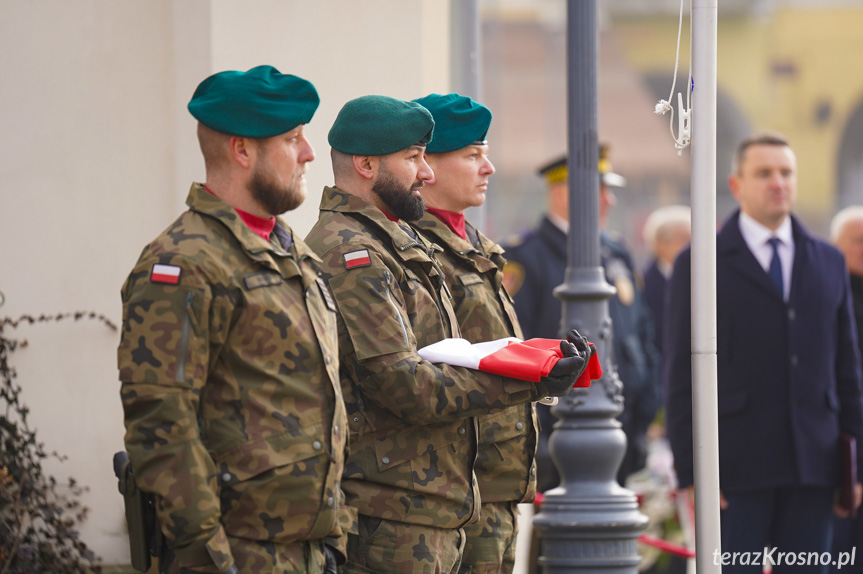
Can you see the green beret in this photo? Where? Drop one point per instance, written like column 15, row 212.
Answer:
column 380, row 125
column 459, row 121
column 260, row 103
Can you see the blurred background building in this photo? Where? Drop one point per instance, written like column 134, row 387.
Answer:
column 786, row 65
column 98, row 149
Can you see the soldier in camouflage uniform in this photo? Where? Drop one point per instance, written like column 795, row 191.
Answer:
column 228, row 357
column 412, row 446
column 473, row 265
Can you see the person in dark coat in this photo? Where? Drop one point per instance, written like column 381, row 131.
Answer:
column 846, row 233
column 666, row 233
column 536, row 265
column 788, row 367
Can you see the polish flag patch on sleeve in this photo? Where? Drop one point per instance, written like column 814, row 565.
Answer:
column 169, row 274
column 357, row 259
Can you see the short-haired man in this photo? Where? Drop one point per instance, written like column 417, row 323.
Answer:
column 229, row 359
column 473, row 266
column 788, row 366
column 413, row 443
column 846, row 233
column 667, row 231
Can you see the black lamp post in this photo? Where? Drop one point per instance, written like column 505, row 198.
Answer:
column 589, row 523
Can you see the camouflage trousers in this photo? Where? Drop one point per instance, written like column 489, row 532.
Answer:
column 490, row 547
column 389, row 547
column 261, row 557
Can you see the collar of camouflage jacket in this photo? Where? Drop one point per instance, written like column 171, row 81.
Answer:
column 401, row 234
column 455, row 221
column 205, row 203
column 488, row 250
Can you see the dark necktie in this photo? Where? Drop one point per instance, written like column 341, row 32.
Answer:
column 775, row 270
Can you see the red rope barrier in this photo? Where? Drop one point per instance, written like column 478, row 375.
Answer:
column 666, row 546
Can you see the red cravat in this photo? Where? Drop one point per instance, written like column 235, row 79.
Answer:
column 454, row 221
column 261, row 226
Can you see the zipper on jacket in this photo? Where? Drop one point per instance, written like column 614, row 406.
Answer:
column 389, row 278
column 408, row 246
column 185, row 331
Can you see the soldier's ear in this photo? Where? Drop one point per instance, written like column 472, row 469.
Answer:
column 365, row 165
column 240, row 150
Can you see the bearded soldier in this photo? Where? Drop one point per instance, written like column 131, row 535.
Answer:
column 413, row 439
column 234, row 415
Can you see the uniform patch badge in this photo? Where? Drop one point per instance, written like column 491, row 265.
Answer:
column 513, row 277
column 169, row 274
column 469, row 279
column 261, row 279
column 357, row 259
column 325, row 292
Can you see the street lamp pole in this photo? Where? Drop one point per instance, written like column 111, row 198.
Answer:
column 589, row 522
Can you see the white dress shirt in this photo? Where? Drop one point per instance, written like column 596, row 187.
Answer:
column 558, row 222
column 757, row 238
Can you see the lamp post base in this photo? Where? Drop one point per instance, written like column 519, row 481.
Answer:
column 589, row 523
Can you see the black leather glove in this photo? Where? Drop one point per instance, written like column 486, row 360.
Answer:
column 576, row 354
column 331, row 564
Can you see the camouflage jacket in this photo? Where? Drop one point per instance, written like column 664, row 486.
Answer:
column 412, row 443
column 234, row 415
column 505, row 468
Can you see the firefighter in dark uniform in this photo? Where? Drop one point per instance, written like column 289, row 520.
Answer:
column 537, row 262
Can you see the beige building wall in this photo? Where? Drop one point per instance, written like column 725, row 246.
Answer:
column 98, row 152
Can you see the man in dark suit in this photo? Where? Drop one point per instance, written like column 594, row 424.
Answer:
column 788, row 365
column 537, row 262
column 846, row 233
column 666, row 233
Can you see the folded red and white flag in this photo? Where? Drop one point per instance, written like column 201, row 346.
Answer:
column 593, row 372
column 510, row 357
